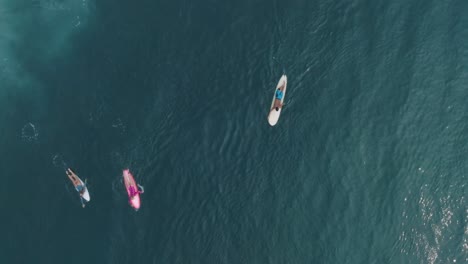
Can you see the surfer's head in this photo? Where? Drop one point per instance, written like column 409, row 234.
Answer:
column 277, row 108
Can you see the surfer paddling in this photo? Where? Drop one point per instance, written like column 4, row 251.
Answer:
column 133, row 189
column 278, row 97
column 278, row 101
column 79, row 186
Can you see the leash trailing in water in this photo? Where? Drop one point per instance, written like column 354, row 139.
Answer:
column 142, row 189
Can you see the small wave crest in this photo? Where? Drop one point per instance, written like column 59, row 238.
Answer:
column 29, row 133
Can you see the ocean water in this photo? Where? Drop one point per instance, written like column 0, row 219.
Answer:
column 366, row 165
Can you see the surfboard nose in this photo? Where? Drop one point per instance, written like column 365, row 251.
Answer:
column 283, row 79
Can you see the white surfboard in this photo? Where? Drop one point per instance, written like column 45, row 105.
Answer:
column 85, row 196
column 275, row 112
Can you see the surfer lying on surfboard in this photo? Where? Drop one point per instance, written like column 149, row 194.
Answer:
column 278, row 97
column 133, row 189
column 79, row 185
column 277, row 103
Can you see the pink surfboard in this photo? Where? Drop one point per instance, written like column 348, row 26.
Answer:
column 132, row 189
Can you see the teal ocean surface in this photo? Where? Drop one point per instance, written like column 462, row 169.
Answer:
column 367, row 164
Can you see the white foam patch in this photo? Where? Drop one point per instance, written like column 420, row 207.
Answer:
column 63, row 18
column 44, row 26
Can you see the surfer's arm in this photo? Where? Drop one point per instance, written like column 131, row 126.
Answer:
column 70, row 174
column 72, row 179
column 75, row 181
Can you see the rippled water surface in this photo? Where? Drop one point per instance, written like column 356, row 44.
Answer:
column 366, row 165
